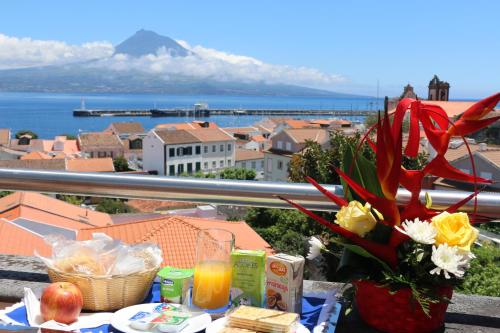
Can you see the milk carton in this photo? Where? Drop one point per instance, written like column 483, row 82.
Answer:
column 284, row 282
column 248, row 277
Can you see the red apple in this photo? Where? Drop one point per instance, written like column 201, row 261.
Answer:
column 62, row 302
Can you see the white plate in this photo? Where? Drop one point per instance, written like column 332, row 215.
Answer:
column 219, row 324
column 120, row 319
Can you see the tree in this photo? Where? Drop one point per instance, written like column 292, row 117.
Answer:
column 20, row 133
column 72, row 199
column 5, row 193
column 113, row 206
column 121, row 164
column 238, row 173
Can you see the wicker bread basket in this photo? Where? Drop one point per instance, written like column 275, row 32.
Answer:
column 109, row 293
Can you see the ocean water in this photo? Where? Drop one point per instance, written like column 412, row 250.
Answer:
column 49, row 114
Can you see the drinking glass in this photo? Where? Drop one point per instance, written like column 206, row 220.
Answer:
column 212, row 273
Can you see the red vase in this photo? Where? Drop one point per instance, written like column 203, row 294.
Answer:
column 395, row 313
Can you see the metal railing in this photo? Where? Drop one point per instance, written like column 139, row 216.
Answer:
column 217, row 191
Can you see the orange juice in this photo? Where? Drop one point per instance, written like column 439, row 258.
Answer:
column 212, row 283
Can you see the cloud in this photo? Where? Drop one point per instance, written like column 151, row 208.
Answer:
column 205, row 63
column 26, row 52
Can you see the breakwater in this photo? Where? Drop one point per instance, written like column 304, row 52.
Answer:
column 215, row 111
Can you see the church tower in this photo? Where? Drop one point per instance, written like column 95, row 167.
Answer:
column 438, row 90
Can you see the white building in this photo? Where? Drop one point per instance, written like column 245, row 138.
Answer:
column 171, row 152
column 251, row 159
column 284, row 145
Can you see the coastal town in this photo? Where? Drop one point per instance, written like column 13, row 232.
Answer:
column 198, row 148
column 249, row 167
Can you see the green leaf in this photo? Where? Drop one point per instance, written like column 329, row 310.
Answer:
column 362, row 252
column 364, row 173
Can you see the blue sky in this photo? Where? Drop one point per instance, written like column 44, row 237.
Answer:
column 395, row 42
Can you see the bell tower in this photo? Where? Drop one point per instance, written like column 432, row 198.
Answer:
column 438, row 90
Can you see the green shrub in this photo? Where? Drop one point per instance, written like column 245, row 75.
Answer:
column 483, row 277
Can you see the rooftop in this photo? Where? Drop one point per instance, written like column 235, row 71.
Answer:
column 127, row 127
column 99, row 139
column 176, row 236
column 248, row 154
column 39, row 161
column 4, row 136
column 301, row 135
column 174, row 137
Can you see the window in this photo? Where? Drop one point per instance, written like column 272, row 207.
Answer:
column 135, row 144
column 180, row 168
column 280, row 144
column 262, row 164
column 221, row 148
column 214, row 164
column 198, row 150
column 187, row 151
column 111, row 154
column 487, row 175
column 244, row 165
column 229, row 147
column 221, row 163
column 214, row 148
column 198, row 166
column 180, row 151
column 228, row 163
column 254, row 165
column 205, row 149
column 270, row 165
column 280, row 165
column 101, row 154
column 190, row 168
column 171, row 170
column 205, row 165
column 171, row 152
column 288, row 146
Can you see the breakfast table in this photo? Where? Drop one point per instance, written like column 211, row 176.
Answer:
column 467, row 313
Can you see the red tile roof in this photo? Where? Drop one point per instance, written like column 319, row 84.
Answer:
column 4, row 136
column 248, row 154
column 148, row 206
column 177, row 236
column 40, row 207
column 41, row 213
column 211, row 135
column 259, row 138
column 99, row 139
column 36, row 155
column 90, row 165
column 126, row 127
column 19, row 241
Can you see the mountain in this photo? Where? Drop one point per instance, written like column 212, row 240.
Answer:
column 80, row 79
column 95, row 76
column 145, row 42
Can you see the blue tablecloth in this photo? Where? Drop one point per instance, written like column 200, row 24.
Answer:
column 312, row 307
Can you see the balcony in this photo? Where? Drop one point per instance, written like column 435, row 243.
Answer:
column 466, row 314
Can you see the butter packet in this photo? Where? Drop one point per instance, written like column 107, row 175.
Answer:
column 142, row 320
column 171, row 321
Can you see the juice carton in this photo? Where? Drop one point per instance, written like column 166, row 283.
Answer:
column 174, row 284
column 248, row 277
column 284, row 282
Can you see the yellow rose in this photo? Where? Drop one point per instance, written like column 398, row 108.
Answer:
column 356, row 218
column 454, row 230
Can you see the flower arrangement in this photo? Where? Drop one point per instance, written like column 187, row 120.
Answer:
column 406, row 257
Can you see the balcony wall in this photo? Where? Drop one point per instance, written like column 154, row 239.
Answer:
column 465, row 314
